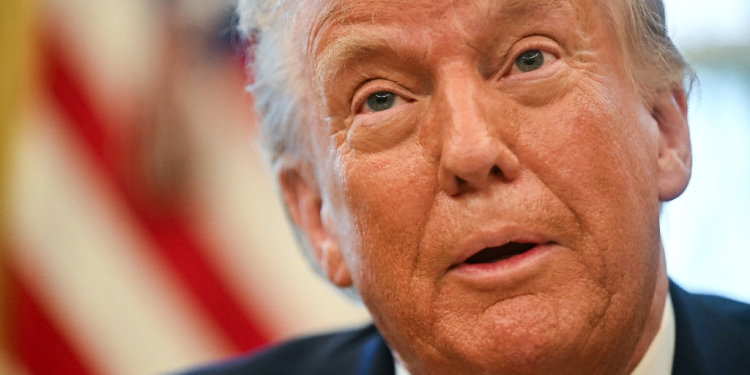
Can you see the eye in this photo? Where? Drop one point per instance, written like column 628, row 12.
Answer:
column 379, row 97
column 380, row 101
column 532, row 60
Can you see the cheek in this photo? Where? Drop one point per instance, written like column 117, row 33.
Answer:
column 594, row 155
column 390, row 195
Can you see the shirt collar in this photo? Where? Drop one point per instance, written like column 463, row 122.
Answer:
column 659, row 356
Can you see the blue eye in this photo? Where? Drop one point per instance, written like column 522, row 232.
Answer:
column 380, row 101
column 530, row 60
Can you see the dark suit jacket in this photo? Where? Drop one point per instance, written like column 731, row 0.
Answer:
column 713, row 338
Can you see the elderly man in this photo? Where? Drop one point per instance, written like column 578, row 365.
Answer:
column 487, row 176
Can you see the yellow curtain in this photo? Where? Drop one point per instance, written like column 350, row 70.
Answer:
column 16, row 44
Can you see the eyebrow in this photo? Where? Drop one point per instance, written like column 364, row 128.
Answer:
column 354, row 46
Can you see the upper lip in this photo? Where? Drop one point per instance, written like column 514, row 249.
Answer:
column 485, row 239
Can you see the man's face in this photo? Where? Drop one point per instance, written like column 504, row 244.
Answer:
column 490, row 177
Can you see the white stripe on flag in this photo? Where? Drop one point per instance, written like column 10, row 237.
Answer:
column 85, row 259
column 114, row 44
column 242, row 215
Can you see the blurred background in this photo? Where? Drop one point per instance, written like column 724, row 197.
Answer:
column 140, row 233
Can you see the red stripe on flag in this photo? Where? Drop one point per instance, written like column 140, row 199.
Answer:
column 38, row 342
column 173, row 240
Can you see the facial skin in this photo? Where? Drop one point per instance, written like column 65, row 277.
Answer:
column 462, row 150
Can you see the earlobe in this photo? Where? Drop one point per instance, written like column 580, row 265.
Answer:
column 332, row 263
column 309, row 212
column 675, row 154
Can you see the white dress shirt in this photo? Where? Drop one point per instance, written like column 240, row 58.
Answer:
column 659, row 356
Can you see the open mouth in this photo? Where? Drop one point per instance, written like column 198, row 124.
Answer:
column 496, row 254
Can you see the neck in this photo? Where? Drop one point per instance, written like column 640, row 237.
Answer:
column 653, row 323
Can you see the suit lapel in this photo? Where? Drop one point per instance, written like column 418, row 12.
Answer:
column 364, row 354
column 376, row 358
column 687, row 356
column 712, row 335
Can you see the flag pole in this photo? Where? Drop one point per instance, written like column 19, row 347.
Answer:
column 16, row 41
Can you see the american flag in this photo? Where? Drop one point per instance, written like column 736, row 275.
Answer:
column 144, row 235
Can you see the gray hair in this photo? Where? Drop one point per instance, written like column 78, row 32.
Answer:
column 641, row 29
column 280, row 89
column 276, row 68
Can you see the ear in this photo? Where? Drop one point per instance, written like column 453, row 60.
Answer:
column 312, row 215
column 675, row 154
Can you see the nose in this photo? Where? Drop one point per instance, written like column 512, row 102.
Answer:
column 474, row 154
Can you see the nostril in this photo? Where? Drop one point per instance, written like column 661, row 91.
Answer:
column 496, row 170
column 460, row 181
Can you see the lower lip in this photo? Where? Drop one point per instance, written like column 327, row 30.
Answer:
column 514, row 267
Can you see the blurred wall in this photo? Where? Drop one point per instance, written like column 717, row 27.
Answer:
column 704, row 229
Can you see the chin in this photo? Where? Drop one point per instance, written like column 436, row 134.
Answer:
column 535, row 333
column 526, row 335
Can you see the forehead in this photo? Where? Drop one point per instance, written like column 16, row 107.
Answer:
column 337, row 29
column 417, row 11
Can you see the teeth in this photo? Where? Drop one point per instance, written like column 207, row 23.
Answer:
column 495, row 254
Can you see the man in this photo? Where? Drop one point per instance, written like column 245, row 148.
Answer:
column 487, row 176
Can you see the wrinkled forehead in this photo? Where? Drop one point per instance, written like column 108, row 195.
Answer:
column 325, row 12
column 334, row 28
